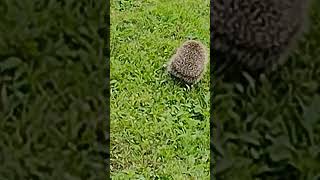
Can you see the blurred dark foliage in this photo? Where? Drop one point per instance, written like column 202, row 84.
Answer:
column 268, row 127
column 53, row 89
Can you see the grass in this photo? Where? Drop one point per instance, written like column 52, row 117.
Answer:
column 159, row 127
column 52, row 99
column 269, row 127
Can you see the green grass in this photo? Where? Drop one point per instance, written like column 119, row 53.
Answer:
column 159, row 127
column 270, row 128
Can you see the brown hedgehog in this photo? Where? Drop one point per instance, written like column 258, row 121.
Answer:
column 189, row 62
column 255, row 35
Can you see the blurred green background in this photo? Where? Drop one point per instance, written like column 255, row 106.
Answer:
column 269, row 127
column 52, row 90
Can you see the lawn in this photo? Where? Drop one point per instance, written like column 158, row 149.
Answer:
column 269, row 127
column 159, row 126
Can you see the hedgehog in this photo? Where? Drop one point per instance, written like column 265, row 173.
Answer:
column 189, row 62
column 255, row 35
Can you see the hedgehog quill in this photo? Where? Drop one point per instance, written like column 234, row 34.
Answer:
column 189, row 62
